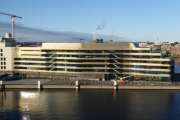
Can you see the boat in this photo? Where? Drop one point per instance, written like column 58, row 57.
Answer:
column 7, row 77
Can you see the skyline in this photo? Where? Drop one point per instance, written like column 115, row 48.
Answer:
column 59, row 21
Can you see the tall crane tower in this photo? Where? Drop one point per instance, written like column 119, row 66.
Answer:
column 79, row 39
column 13, row 25
column 21, row 40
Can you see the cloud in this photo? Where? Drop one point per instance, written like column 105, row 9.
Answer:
column 101, row 26
column 39, row 35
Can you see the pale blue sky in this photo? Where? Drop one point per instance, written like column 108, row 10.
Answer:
column 133, row 20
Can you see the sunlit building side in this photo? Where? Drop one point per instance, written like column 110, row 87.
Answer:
column 92, row 61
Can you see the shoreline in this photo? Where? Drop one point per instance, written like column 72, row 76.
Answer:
column 99, row 87
column 112, row 85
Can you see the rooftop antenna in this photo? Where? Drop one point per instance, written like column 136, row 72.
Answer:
column 21, row 40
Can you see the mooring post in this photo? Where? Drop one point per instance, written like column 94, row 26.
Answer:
column 1, row 85
column 1, row 82
column 39, row 84
column 115, row 85
column 77, row 84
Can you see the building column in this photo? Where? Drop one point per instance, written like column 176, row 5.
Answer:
column 115, row 85
column 77, row 84
column 39, row 84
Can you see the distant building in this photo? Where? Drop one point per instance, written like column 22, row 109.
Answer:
column 8, row 39
column 146, row 44
column 172, row 48
column 97, row 41
column 142, row 44
column 29, row 44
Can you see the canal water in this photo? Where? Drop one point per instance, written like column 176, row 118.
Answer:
column 90, row 105
column 62, row 104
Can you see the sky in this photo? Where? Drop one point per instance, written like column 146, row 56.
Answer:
column 61, row 20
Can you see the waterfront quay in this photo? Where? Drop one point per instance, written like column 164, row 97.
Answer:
column 88, row 84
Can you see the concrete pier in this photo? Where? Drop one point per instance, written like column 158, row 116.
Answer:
column 1, row 85
column 113, row 85
column 77, row 85
column 118, row 87
column 39, row 84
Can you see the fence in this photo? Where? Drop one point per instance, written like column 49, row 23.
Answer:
column 95, row 82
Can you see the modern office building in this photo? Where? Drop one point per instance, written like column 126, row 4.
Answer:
column 95, row 61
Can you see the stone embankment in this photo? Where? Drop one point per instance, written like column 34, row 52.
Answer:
column 47, row 84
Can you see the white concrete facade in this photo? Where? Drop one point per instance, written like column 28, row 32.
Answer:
column 6, row 57
column 87, row 60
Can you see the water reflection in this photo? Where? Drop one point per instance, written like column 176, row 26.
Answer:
column 26, row 117
column 29, row 95
column 1, row 99
column 89, row 104
column 6, row 99
column 26, row 107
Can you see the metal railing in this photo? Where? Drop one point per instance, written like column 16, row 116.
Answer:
column 116, row 70
column 117, row 76
column 52, row 69
column 116, row 66
column 52, row 55
column 95, row 82
column 52, row 60
column 115, row 61
column 154, row 83
column 52, row 64
column 64, row 81
column 116, row 56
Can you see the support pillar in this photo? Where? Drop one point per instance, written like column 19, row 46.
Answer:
column 115, row 85
column 77, row 84
column 1, row 85
column 39, row 84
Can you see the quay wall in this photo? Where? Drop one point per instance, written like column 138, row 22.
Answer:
column 119, row 87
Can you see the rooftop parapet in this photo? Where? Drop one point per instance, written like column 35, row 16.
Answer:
column 89, row 45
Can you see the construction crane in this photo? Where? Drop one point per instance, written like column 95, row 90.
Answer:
column 79, row 39
column 13, row 25
column 112, row 33
column 21, row 40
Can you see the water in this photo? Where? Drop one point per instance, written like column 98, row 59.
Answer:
column 90, row 105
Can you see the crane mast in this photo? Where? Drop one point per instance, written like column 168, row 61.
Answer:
column 21, row 40
column 13, row 25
